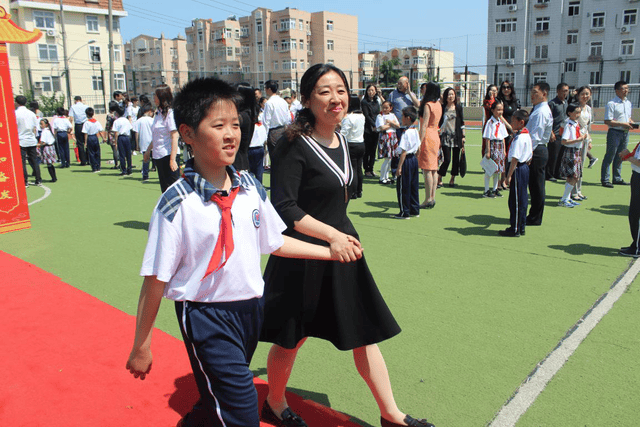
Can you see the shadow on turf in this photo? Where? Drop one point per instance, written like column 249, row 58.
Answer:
column 483, row 222
column 584, row 249
column 385, row 209
column 136, row 225
column 612, row 210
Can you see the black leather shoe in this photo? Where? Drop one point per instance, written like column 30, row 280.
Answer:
column 509, row 232
column 607, row 184
column 289, row 418
column 410, row 421
column 621, row 182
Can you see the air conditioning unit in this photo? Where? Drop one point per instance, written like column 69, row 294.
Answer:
column 51, row 33
column 509, row 62
column 624, row 29
column 309, row 53
column 622, row 59
column 513, row 8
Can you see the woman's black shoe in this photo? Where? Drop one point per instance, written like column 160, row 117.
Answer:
column 289, row 418
column 410, row 421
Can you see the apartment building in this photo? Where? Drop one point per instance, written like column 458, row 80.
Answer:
column 40, row 67
column 152, row 61
column 418, row 64
column 272, row 45
column 575, row 41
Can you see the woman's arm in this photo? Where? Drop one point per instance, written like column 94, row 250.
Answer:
column 174, row 150
column 343, row 247
column 294, row 248
column 424, row 122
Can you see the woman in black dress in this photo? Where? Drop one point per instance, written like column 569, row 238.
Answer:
column 247, row 114
column 335, row 301
column 370, row 109
column 507, row 95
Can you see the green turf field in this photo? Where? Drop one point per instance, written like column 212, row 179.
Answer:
column 478, row 311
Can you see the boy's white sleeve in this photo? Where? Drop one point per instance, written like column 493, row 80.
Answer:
column 164, row 252
column 84, row 127
column 271, row 227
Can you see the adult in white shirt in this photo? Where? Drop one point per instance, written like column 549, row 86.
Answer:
column 295, row 104
column 78, row 113
column 352, row 127
column 276, row 115
column 617, row 115
column 27, row 129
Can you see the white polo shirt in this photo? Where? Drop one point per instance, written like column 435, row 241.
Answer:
column 27, row 121
column 142, row 127
column 410, row 142
column 92, row 127
column 62, row 124
column 521, row 147
column 618, row 110
column 184, row 230
column 123, row 126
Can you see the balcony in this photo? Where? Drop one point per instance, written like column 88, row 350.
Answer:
column 594, row 58
column 541, row 33
column 597, row 30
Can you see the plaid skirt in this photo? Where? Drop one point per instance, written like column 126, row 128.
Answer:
column 48, row 154
column 571, row 163
column 497, row 154
column 387, row 144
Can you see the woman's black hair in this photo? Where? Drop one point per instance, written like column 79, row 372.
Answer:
column 165, row 98
column 354, row 104
column 366, row 92
column 576, row 98
column 513, row 92
column 305, row 121
column 248, row 102
column 488, row 94
column 431, row 94
column 144, row 99
column 445, row 96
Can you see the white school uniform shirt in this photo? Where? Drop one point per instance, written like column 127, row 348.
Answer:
column 122, row 125
column 183, row 232
column 352, row 127
column 27, row 122
column 142, row 127
column 572, row 131
column 521, row 147
column 410, row 141
column 62, row 124
column 259, row 136
column 381, row 120
column 47, row 137
column 495, row 129
column 161, row 130
column 92, row 127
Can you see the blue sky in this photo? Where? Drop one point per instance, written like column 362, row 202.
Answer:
column 382, row 25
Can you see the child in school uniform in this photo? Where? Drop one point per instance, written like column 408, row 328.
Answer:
column 633, row 157
column 493, row 137
column 386, row 124
column 93, row 129
column 407, row 173
column 517, row 179
column 47, row 148
column 143, row 135
column 205, row 239
column 62, row 128
column 122, row 129
column 571, row 162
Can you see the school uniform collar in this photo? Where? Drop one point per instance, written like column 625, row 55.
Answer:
column 204, row 188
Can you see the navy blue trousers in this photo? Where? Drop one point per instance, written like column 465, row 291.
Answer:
column 519, row 198
column 221, row 339
column 634, row 211
column 124, row 150
column 62, row 138
column 256, row 162
column 407, row 187
column 93, row 151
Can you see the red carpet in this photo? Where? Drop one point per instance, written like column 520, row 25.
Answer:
column 63, row 357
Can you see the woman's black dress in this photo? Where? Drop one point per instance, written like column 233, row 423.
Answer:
column 325, row 299
column 246, row 133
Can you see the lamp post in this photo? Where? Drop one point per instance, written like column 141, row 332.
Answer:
column 66, row 67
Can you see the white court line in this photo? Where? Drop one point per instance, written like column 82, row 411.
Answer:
column 47, row 192
column 545, row 370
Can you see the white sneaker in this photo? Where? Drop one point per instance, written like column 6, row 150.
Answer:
column 566, row 203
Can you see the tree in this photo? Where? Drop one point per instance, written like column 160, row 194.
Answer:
column 388, row 71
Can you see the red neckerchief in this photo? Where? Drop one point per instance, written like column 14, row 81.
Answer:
column 225, row 236
column 92, row 120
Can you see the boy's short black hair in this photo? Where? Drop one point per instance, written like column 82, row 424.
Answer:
column 60, row 111
column 119, row 110
column 522, row 115
column 572, row 107
column 77, row 98
column 116, row 94
column 543, row 86
column 619, row 84
column 21, row 100
column 113, row 106
column 272, row 85
column 410, row 112
column 191, row 105
column 145, row 109
column 89, row 112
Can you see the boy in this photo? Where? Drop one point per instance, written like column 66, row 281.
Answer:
column 407, row 171
column 634, row 204
column 122, row 129
column 142, row 128
column 520, row 153
column 62, row 128
column 93, row 129
column 217, row 298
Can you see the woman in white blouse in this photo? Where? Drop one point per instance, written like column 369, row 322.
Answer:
column 352, row 127
column 583, row 96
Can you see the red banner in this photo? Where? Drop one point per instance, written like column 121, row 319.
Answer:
column 14, row 209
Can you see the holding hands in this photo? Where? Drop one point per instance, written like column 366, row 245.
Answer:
column 345, row 248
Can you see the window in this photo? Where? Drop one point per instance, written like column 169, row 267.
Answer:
column 127, row 54
column 190, row 38
column 236, row 33
column 539, row 77
column 301, row 44
column 595, row 78
column 119, row 82
column 245, row 50
column 625, row 76
column 44, row 20
column 275, row 45
column 175, row 80
column 153, row 82
column 630, row 17
column 48, row 52
column 259, row 46
column 244, row 32
column 151, row 52
column 595, row 49
column 227, row 33
column 200, row 36
column 626, row 47
column 237, row 51
column 597, row 20
column 330, row 61
column 300, row 24
column 329, row 25
column 259, row 25
column 293, row 44
column 505, row 2
column 201, row 55
column 117, row 53
column 159, row 66
column 246, row 69
column 174, row 66
column 542, row 1
column 275, row 65
column 542, row 24
column 284, row 45
column 50, row 84
column 510, row 76
column 407, row 61
column 229, row 51
column 302, row 64
column 96, row 82
column 158, row 51
column 572, row 37
column 505, row 52
column 506, row 25
column 152, row 66
column 574, row 8
column 94, row 54
column 287, row 24
column 542, row 52
column 173, row 52
column 329, row 44
column 115, row 23
column 260, row 67
column 92, row 24
column 570, row 65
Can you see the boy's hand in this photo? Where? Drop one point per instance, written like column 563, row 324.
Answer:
column 399, row 171
column 488, row 153
column 507, row 181
column 173, row 165
column 139, row 363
